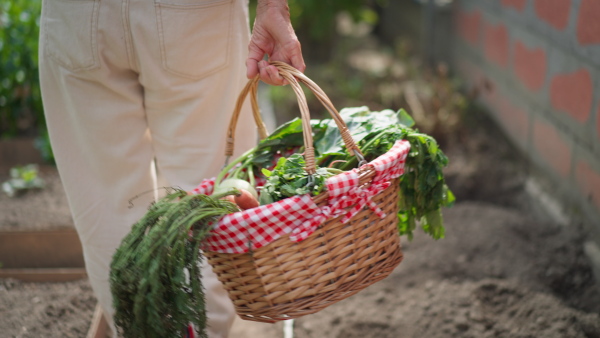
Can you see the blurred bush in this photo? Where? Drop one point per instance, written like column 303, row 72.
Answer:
column 314, row 22
column 21, row 111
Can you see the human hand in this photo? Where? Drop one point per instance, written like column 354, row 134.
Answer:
column 273, row 35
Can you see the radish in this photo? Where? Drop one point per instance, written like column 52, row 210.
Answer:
column 230, row 198
column 245, row 200
column 239, row 192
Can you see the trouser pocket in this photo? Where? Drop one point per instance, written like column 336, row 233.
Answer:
column 194, row 36
column 69, row 29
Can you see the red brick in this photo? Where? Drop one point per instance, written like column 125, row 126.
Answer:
column 530, row 66
column 554, row 12
column 573, row 93
column 588, row 181
column 588, row 24
column 552, row 147
column 496, row 44
column 469, row 25
column 516, row 4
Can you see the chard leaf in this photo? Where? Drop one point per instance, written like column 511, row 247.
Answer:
column 355, row 111
column 287, row 134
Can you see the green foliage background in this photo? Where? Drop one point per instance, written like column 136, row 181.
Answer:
column 21, row 111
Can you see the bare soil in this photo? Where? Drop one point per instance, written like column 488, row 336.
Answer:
column 500, row 272
column 45, row 309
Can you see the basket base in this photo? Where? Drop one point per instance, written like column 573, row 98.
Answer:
column 309, row 305
column 286, row 280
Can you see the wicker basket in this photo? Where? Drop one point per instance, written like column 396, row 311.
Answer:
column 286, row 279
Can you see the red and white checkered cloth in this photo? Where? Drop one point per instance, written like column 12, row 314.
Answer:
column 205, row 187
column 299, row 216
column 338, row 187
column 254, row 228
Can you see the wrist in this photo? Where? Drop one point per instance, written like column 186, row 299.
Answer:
column 279, row 5
column 273, row 3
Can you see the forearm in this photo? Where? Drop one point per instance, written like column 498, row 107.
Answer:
column 275, row 14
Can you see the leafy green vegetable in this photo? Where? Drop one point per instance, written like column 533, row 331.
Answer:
column 423, row 188
column 289, row 178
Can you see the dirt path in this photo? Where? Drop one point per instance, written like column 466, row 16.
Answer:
column 45, row 309
column 497, row 274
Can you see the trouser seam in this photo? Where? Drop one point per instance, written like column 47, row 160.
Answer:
column 128, row 36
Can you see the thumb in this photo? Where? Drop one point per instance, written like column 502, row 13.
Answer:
column 255, row 55
column 297, row 61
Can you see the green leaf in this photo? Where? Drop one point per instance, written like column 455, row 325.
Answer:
column 266, row 172
column 405, row 119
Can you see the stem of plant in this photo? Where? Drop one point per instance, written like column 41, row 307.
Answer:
column 227, row 168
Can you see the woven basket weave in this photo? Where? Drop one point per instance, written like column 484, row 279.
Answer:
column 286, row 279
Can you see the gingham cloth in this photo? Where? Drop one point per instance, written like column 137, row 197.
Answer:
column 299, row 216
column 205, row 187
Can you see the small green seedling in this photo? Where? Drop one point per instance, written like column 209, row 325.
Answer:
column 22, row 179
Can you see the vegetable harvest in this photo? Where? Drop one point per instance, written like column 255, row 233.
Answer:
column 155, row 275
column 423, row 188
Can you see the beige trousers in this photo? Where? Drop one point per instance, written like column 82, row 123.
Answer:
column 130, row 83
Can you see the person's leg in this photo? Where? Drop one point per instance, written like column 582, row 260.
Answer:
column 191, row 88
column 98, row 114
column 96, row 118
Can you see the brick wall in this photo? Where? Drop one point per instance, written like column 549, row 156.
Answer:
column 540, row 60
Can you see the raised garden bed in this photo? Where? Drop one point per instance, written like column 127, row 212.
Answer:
column 37, row 239
column 43, row 287
column 19, row 151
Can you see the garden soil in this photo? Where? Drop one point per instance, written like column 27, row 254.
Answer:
column 501, row 271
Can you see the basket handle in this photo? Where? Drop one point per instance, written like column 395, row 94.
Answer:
column 292, row 75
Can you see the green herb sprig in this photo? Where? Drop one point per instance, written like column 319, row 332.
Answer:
column 289, row 178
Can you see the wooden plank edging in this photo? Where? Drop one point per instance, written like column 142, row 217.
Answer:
column 99, row 327
column 57, row 248
column 44, row 275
